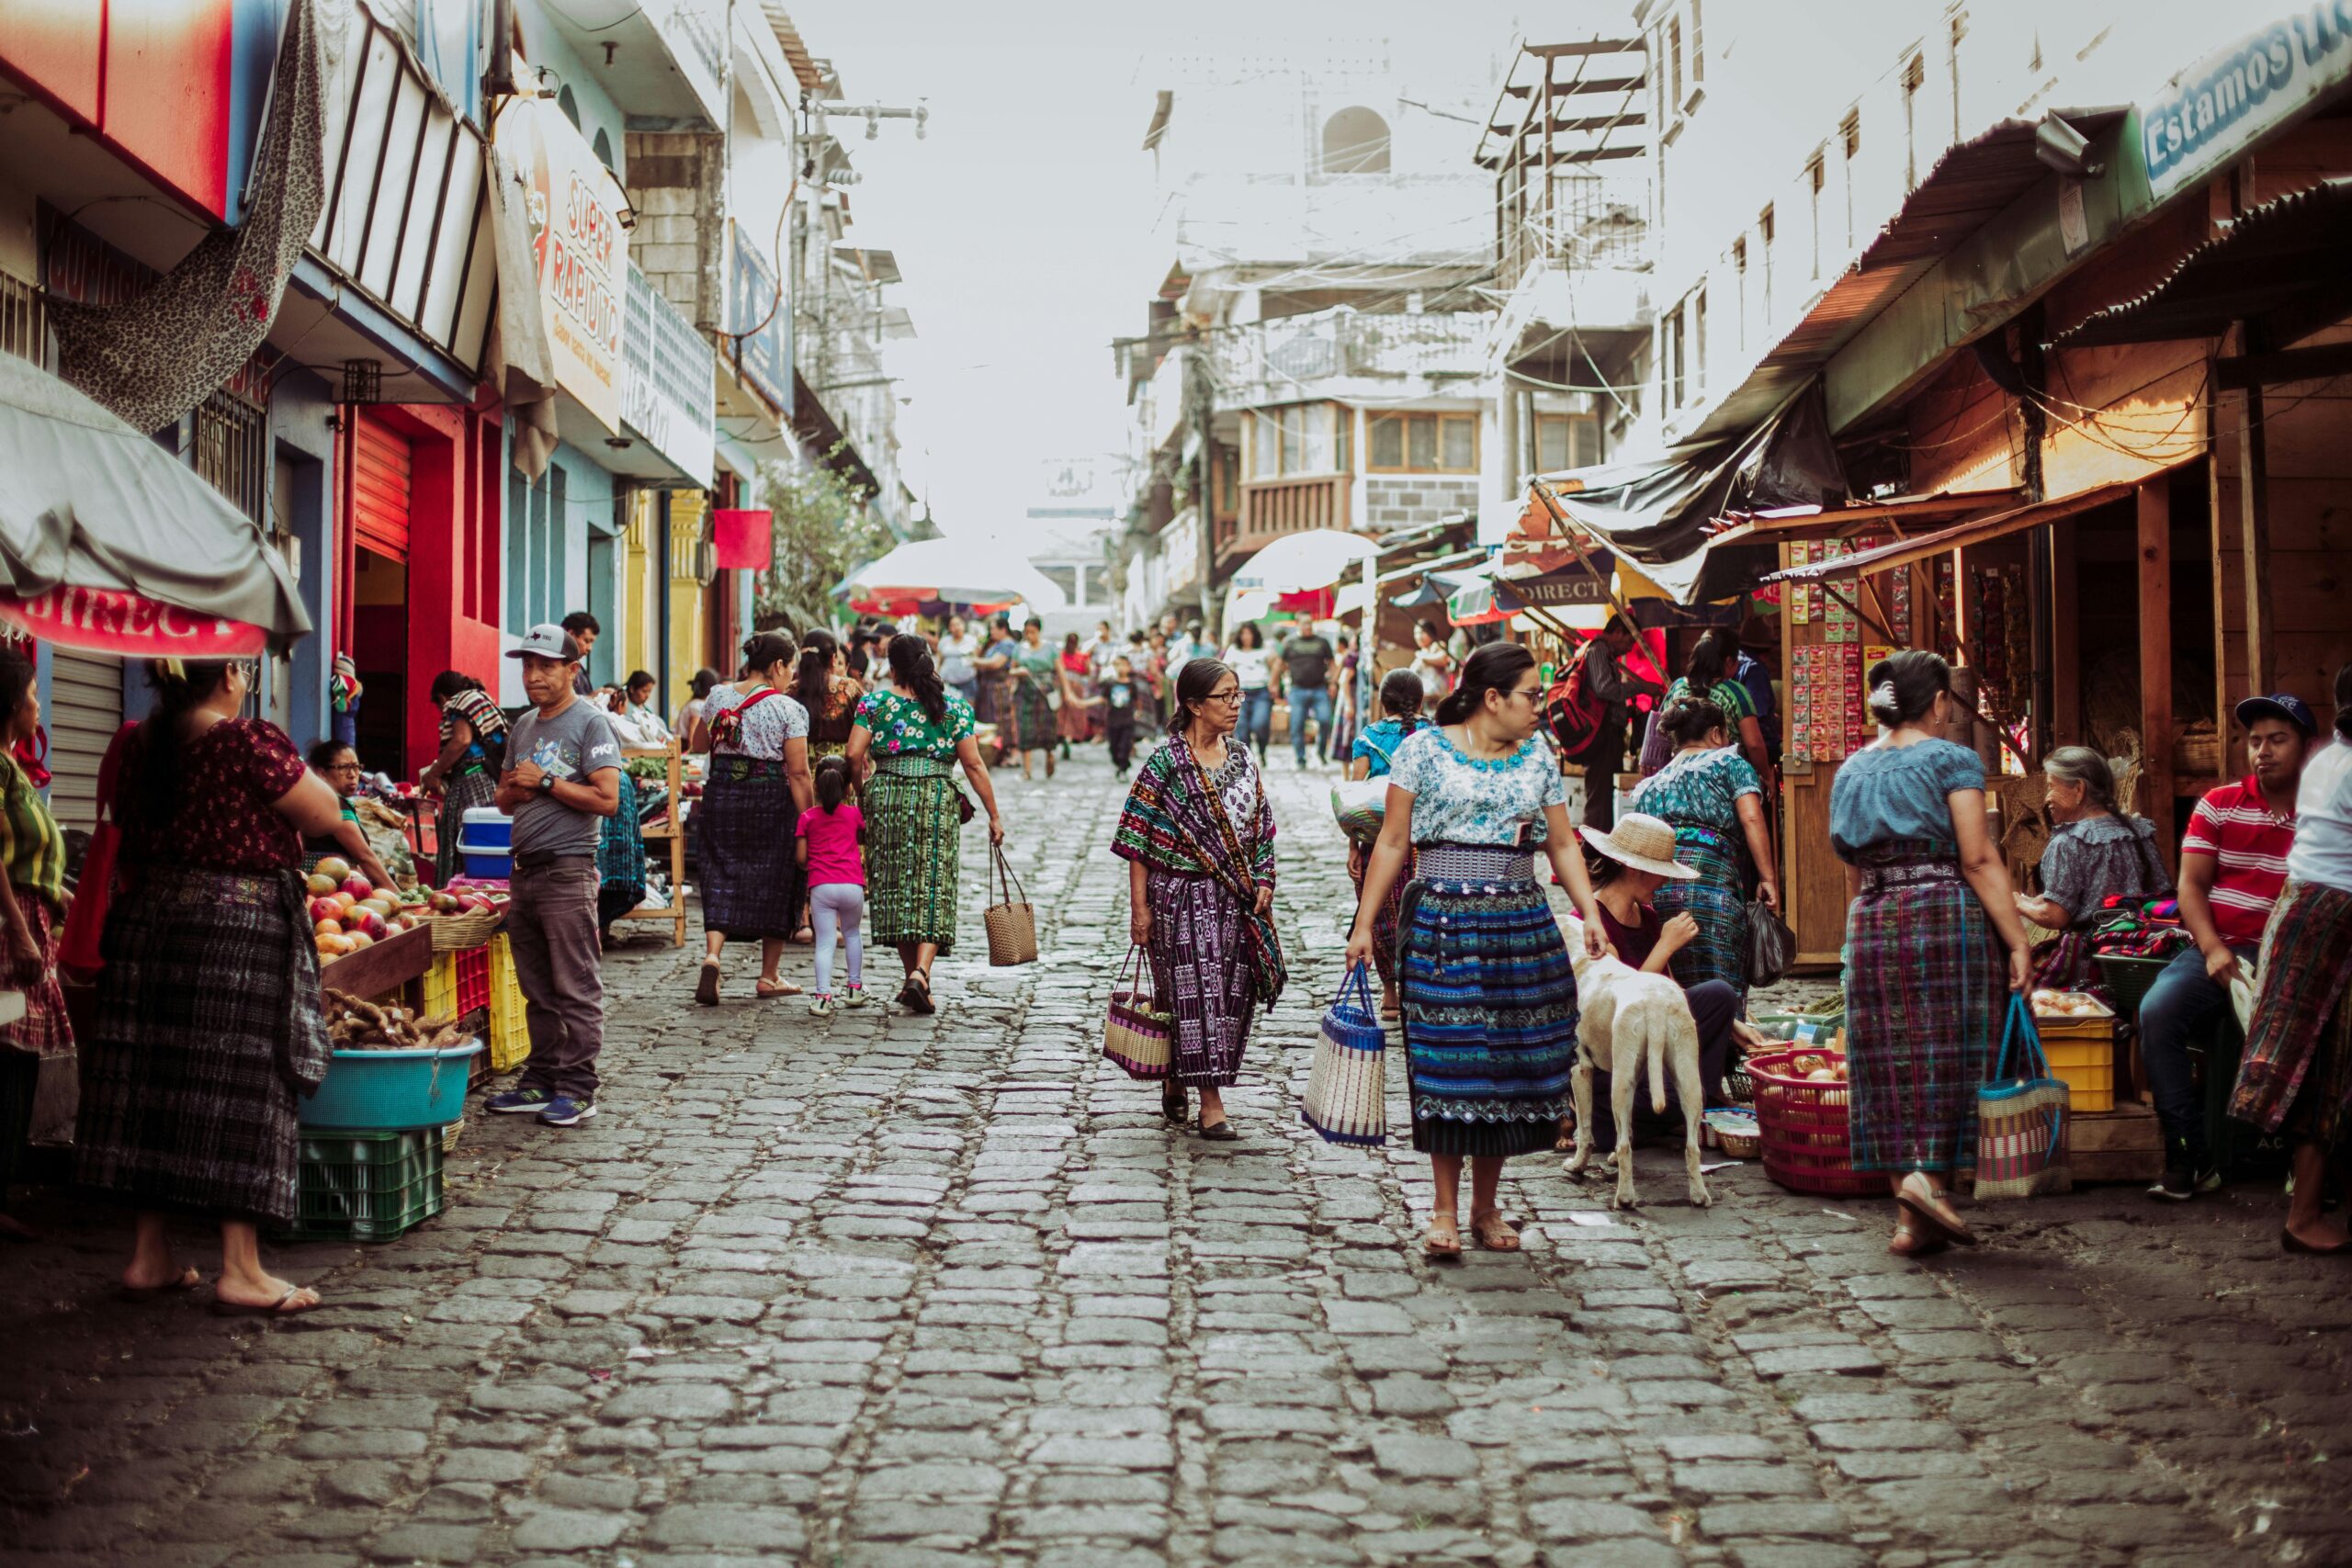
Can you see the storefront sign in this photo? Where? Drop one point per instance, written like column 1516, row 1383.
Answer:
column 2227, row 101
column 583, row 255
column 129, row 625
column 667, row 396
column 758, row 322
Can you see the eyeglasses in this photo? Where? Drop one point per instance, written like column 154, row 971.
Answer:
column 1233, row 697
column 343, row 767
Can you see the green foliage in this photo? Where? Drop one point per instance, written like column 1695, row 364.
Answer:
column 823, row 530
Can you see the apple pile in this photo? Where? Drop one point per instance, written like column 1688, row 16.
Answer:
column 346, row 914
column 463, row 902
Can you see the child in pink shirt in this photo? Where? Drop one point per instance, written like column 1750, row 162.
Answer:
column 830, row 833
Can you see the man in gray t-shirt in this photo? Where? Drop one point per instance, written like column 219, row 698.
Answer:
column 562, row 780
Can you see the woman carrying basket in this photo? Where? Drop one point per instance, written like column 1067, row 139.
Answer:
column 913, row 733
column 1490, row 999
column 1931, row 920
column 1198, row 838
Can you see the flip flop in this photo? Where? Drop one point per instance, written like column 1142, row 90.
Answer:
column 141, row 1295
column 768, row 990
column 1494, row 1234
column 275, row 1309
column 707, row 987
column 1446, row 1243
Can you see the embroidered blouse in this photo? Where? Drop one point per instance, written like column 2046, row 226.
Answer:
column 1461, row 799
column 900, row 728
column 1699, row 789
column 1162, row 822
column 221, row 817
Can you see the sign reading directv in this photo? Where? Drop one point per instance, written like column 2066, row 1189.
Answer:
column 2232, row 98
column 759, row 323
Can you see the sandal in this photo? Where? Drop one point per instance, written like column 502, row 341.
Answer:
column 707, row 987
column 281, row 1308
column 1494, row 1232
column 1909, row 1241
column 1174, row 1104
column 141, row 1295
column 1935, row 1215
column 1444, row 1238
column 768, row 990
column 916, row 993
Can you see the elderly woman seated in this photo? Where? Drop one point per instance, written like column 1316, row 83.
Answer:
column 2095, row 853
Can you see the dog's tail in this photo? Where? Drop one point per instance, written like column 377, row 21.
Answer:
column 1658, row 1043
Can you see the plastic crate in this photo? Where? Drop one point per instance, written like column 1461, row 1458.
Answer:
column 510, row 1041
column 2087, row 1067
column 366, row 1186
column 391, row 1090
column 1807, row 1145
column 457, row 983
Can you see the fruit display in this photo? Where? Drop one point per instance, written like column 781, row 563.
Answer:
column 356, row 1025
column 1825, row 1065
column 346, row 914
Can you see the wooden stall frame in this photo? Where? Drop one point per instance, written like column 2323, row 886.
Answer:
column 675, row 835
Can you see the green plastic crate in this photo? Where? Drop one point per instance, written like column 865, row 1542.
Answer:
column 366, row 1186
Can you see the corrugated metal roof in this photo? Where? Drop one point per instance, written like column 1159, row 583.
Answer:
column 2279, row 254
column 1968, row 187
column 787, row 37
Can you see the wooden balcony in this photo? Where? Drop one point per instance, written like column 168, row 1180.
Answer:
column 1270, row 508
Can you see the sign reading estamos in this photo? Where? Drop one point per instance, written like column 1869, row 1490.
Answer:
column 577, row 240
column 2227, row 101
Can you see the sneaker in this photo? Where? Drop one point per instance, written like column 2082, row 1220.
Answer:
column 565, row 1111
column 2177, row 1185
column 821, row 1004
column 857, row 997
column 519, row 1102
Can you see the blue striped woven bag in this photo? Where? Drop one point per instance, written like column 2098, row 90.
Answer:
column 2021, row 1120
column 1347, row 1089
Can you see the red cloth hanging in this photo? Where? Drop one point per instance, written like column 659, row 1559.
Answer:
column 744, row 539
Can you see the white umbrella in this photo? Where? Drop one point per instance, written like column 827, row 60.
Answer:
column 1301, row 563
column 963, row 571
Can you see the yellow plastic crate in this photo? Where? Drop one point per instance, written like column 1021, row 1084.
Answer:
column 510, row 1041
column 2087, row 1066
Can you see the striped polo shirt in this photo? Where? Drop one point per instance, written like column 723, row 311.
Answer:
column 32, row 850
column 2250, row 842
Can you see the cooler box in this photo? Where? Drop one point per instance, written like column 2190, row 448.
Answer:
column 486, row 843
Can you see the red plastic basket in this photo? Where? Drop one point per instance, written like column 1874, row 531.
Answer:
column 1807, row 1147
column 472, row 966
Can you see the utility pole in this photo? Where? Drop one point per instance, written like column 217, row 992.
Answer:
column 1201, row 399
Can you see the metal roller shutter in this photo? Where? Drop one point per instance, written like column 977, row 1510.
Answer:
column 379, row 488
column 85, row 710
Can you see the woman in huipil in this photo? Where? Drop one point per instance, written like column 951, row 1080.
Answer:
column 1714, row 799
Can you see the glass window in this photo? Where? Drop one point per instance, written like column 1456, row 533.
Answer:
column 1343, row 441
column 1458, row 443
column 1265, row 447
column 1294, row 429
column 1550, row 443
column 1421, row 446
column 1063, row 578
column 1585, row 445
column 1387, row 441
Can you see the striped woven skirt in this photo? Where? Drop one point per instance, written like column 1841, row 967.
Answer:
column 1491, row 1004
column 1384, row 919
column 2297, row 1067
column 458, row 797
column 912, row 844
column 751, row 882
column 1199, row 975
column 1033, row 719
column 1714, row 899
column 1926, row 984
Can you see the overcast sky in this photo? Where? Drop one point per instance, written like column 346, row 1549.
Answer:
column 1024, row 221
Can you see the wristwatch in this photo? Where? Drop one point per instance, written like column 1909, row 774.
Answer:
column 547, row 784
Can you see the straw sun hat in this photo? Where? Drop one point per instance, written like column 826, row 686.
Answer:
column 1643, row 842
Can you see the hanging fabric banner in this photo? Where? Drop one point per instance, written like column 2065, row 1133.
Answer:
column 128, row 625
column 154, row 358
column 743, row 539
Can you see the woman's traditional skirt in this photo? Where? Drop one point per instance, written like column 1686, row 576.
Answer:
column 44, row 1029
column 207, row 1021
column 2297, row 1068
column 1077, row 721
column 1491, row 1004
column 1715, row 899
column 912, row 838
column 1033, row 719
column 751, row 881
column 1384, row 919
column 458, row 797
column 620, row 859
column 1199, row 973
column 1926, row 983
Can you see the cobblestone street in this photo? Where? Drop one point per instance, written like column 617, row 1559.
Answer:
column 894, row 1290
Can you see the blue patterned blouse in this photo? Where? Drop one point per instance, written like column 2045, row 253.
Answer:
column 1699, row 788
column 1458, row 799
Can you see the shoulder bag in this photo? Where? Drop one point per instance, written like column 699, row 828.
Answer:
column 2021, row 1120
column 1012, row 923
column 1347, row 1087
column 80, row 953
column 1137, row 1035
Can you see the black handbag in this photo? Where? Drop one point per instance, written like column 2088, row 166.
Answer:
column 1771, row 945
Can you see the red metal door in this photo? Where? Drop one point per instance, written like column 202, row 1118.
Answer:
column 382, row 472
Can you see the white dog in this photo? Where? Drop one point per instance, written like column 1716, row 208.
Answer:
column 1628, row 1018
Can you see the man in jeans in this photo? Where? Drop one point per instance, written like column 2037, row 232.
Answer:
column 1306, row 672
column 562, row 779
column 2232, row 866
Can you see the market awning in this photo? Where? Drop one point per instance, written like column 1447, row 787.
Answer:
column 1975, row 531
column 2282, row 264
column 108, row 542
column 1666, row 516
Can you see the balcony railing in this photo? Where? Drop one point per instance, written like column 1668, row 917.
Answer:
column 1270, row 508
column 1288, row 359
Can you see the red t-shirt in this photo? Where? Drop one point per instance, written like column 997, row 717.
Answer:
column 833, row 844
column 2233, row 826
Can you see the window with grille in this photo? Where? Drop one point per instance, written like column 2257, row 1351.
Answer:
column 1422, row 444
column 233, row 452
column 1300, row 438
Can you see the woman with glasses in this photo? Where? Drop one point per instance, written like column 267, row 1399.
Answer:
column 339, row 765
column 473, row 753
column 1491, row 998
column 1198, row 836
column 206, row 1026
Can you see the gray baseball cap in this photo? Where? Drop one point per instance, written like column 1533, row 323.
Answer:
column 547, row 640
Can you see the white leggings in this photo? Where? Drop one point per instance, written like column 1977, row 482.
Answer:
column 838, row 905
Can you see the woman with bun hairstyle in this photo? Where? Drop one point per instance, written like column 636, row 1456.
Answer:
column 1714, row 799
column 1932, row 934
column 1198, row 838
column 1401, row 696
column 757, row 734
column 1490, row 999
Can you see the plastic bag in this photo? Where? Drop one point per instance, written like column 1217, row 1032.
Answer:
column 1771, row 945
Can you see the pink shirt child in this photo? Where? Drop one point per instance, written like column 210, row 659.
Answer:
column 833, row 844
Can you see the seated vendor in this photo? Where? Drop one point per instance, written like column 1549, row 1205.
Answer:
column 1636, row 857
column 2095, row 853
column 339, row 765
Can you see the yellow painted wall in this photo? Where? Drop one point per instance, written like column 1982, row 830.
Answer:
column 643, row 626
column 689, row 526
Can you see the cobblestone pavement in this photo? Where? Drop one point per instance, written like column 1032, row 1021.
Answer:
column 890, row 1290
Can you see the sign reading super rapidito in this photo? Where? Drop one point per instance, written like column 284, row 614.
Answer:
column 582, row 253
column 2227, row 101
